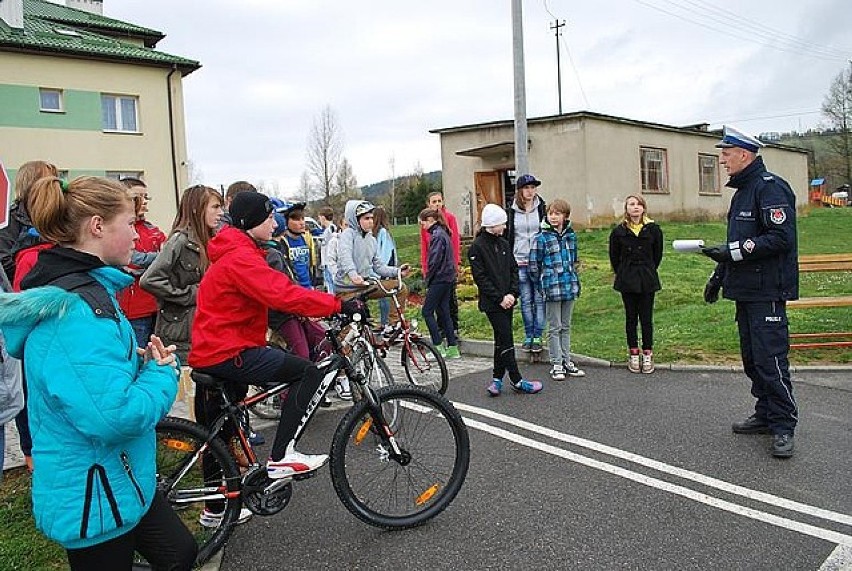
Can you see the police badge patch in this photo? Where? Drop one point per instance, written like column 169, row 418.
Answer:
column 749, row 245
column 777, row 215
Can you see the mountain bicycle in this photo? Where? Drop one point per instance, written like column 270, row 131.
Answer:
column 359, row 342
column 398, row 457
column 423, row 364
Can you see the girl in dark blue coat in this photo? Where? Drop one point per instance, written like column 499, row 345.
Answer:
column 440, row 281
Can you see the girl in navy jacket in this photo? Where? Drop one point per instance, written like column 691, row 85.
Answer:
column 440, row 281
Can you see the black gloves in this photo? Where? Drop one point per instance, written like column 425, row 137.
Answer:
column 711, row 290
column 720, row 253
column 352, row 306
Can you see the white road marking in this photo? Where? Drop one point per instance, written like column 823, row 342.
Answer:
column 803, row 528
column 662, row 467
column 839, row 560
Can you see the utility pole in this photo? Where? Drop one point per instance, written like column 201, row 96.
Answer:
column 556, row 26
column 521, row 159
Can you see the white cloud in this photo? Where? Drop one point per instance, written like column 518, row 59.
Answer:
column 393, row 70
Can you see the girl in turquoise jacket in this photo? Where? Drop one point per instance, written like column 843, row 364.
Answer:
column 94, row 401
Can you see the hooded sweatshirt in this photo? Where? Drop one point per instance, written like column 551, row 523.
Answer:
column 234, row 295
column 522, row 228
column 357, row 252
column 93, row 404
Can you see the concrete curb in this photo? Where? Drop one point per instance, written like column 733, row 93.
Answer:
column 479, row 348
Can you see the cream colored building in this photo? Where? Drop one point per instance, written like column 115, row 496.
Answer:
column 93, row 96
column 594, row 161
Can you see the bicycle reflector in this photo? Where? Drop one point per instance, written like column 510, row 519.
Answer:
column 426, row 496
column 362, row 432
column 175, row 444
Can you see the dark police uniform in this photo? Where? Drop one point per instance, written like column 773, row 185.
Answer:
column 761, row 277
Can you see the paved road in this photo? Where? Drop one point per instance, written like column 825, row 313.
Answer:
column 613, row 471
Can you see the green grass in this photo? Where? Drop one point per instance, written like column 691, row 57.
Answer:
column 686, row 329
column 21, row 546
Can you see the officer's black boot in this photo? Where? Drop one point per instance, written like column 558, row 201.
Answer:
column 782, row 445
column 751, row 425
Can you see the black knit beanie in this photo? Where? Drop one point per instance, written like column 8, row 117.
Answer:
column 249, row 209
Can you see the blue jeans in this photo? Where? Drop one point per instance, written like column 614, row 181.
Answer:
column 532, row 304
column 384, row 310
column 328, row 279
column 143, row 327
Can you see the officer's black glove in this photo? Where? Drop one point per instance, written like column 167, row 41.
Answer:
column 720, row 253
column 711, row 290
column 352, row 306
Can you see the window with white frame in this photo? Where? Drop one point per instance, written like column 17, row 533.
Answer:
column 119, row 113
column 50, row 100
column 118, row 175
column 708, row 175
column 654, row 167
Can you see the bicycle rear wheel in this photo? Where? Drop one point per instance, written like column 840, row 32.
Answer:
column 424, row 366
column 184, row 482
column 398, row 492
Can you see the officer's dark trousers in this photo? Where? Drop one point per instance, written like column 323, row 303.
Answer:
column 765, row 343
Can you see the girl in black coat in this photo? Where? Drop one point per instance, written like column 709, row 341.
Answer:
column 496, row 275
column 635, row 253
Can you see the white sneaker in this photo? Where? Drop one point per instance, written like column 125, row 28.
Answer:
column 213, row 519
column 294, row 464
column 573, row 371
column 633, row 363
column 557, row 373
column 343, row 389
column 647, row 362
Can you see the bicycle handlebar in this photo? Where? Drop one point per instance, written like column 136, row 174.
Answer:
column 378, row 283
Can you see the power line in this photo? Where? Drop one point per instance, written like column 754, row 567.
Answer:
column 746, row 36
column 779, row 116
column 570, row 60
column 749, row 24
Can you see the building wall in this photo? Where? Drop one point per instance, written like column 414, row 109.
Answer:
column 74, row 140
column 594, row 164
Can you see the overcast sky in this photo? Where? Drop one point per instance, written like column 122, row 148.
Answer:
column 394, row 69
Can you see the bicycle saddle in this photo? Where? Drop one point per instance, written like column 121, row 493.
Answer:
column 208, row 381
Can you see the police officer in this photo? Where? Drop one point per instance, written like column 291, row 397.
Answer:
column 758, row 269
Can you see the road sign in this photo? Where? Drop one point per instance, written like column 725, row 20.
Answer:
column 5, row 197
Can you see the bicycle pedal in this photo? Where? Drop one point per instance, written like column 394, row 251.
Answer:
column 276, row 485
column 300, row 477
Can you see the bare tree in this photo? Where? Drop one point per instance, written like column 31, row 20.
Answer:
column 325, row 147
column 194, row 175
column 345, row 182
column 837, row 108
column 306, row 189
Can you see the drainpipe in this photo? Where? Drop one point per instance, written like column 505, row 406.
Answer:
column 172, row 135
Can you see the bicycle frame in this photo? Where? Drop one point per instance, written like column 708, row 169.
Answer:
column 236, row 412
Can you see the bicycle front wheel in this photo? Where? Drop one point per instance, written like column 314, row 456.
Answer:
column 373, row 367
column 187, row 472
column 398, row 491
column 424, row 366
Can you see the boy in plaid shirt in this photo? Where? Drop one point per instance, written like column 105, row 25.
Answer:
column 552, row 267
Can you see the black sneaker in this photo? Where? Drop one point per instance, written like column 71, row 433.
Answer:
column 751, row 425
column 782, row 445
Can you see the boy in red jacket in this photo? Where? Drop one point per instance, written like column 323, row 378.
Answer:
column 229, row 330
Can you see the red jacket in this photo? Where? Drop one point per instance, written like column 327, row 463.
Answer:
column 455, row 239
column 234, row 295
column 24, row 262
column 135, row 301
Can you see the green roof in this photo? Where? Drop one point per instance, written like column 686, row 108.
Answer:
column 55, row 29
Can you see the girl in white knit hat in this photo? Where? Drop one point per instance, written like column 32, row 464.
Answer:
column 496, row 275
